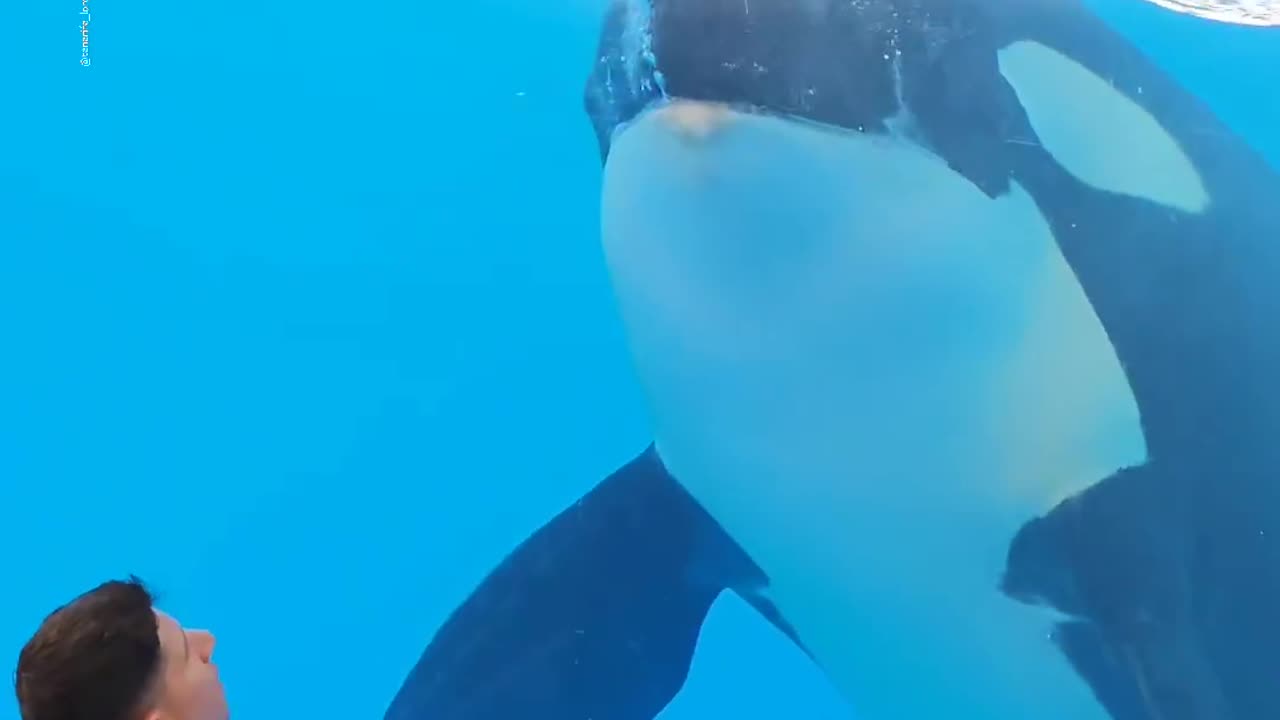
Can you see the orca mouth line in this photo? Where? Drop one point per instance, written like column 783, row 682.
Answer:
column 700, row 118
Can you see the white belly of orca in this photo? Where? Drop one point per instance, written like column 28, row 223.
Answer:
column 871, row 375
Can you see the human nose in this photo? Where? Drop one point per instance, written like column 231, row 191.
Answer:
column 203, row 642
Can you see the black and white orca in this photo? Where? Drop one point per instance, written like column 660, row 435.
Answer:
column 959, row 324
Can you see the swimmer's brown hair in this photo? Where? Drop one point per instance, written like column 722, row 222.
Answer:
column 95, row 658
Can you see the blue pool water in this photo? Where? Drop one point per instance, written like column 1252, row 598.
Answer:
column 305, row 321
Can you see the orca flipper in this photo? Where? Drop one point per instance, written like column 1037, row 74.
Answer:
column 594, row 617
column 1105, row 668
column 1115, row 558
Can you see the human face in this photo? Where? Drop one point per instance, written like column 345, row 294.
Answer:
column 189, row 688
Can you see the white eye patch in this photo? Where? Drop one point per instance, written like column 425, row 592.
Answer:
column 1096, row 133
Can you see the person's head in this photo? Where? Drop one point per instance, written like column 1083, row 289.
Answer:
column 110, row 655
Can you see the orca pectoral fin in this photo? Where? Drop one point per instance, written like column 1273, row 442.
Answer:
column 1117, row 558
column 1105, row 668
column 1156, row 673
column 594, row 617
column 1110, row 554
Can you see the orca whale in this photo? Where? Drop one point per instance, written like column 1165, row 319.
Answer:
column 957, row 324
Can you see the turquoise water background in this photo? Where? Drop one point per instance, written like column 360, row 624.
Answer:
column 305, row 321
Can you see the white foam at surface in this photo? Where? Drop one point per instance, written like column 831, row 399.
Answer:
column 1263, row 13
